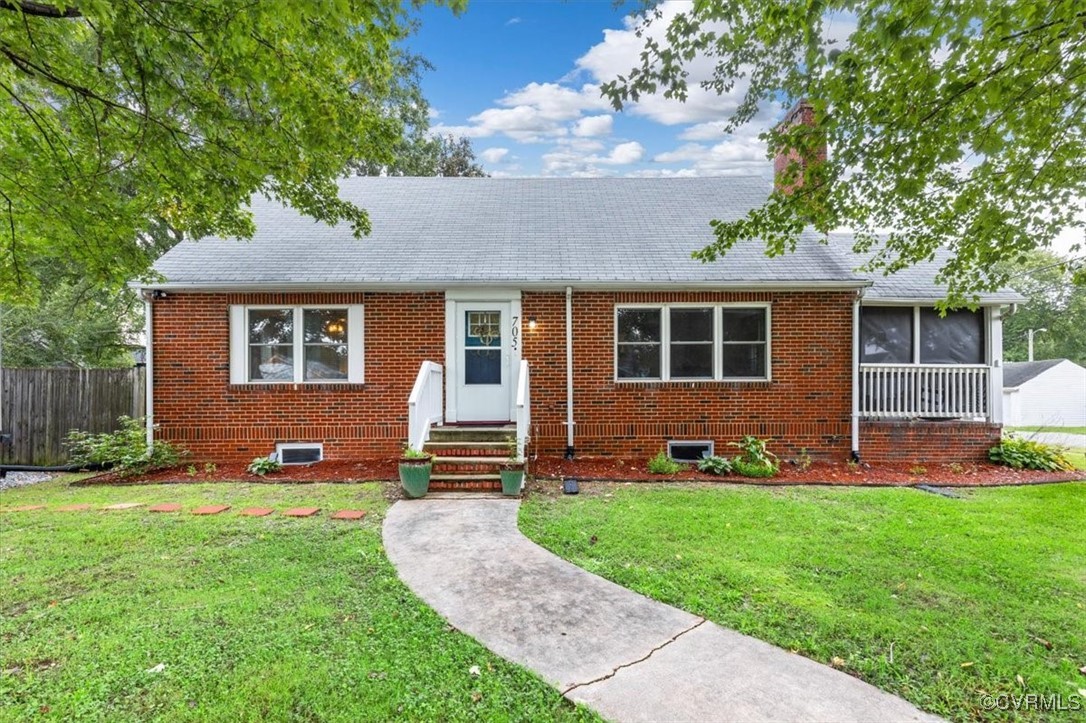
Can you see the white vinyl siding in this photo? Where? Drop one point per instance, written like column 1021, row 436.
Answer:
column 270, row 344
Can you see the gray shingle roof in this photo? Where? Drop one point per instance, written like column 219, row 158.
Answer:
column 1016, row 374
column 536, row 232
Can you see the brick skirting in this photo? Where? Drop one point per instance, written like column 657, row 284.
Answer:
column 925, row 442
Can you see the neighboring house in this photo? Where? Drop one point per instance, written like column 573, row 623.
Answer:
column 571, row 306
column 1050, row 393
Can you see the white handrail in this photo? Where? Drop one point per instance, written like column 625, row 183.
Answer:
column 524, row 408
column 424, row 405
column 945, row 391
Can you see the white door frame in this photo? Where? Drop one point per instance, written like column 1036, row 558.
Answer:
column 455, row 300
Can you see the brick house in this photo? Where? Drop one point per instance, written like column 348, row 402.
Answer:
column 569, row 310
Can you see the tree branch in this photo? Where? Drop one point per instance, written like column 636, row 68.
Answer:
column 40, row 10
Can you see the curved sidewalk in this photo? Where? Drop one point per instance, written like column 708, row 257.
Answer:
column 626, row 656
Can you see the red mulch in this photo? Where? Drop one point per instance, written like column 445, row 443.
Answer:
column 624, row 470
column 822, row 473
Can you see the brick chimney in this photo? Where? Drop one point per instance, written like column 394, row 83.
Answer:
column 789, row 166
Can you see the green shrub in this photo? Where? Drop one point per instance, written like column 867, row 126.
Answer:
column 410, row 452
column 124, row 451
column 264, row 465
column 1028, row 454
column 715, row 465
column 662, row 464
column 756, row 460
column 744, row 468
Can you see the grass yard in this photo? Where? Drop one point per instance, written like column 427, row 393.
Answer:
column 938, row 600
column 1065, row 430
column 243, row 618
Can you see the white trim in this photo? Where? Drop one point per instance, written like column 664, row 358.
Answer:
column 239, row 343
column 671, row 442
column 452, row 366
column 454, row 298
column 149, row 372
column 474, row 288
column 718, row 341
column 569, row 371
column 483, row 294
column 280, row 446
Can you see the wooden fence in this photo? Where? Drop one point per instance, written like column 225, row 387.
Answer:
column 40, row 407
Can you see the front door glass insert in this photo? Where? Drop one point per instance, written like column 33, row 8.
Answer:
column 483, row 347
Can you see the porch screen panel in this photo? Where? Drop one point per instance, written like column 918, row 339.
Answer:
column 271, row 344
column 483, row 347
column 743, row 347
column 325, row 340
column 691, row 349
column 639, row 343
column 957, row 338
column 886, row 335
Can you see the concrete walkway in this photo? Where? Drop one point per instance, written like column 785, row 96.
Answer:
column 626, row 656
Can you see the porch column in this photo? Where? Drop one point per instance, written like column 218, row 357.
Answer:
column 995, row 363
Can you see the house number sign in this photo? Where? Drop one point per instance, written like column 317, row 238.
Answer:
column 514, row 334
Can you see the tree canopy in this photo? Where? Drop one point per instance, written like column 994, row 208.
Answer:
column 960, row 124
column 117, row 115
column 1056, row 304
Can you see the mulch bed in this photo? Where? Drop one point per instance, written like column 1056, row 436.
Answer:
column 819, row 473
column 622, row 470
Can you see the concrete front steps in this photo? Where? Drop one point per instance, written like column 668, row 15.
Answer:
column 469, row 458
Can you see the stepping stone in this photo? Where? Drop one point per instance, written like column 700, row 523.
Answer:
column 210, row 509
column 124, row 506
column 73, row 508
column 165, row 507
column 25, row 508
column 302, row 512
column 256, row 511
column 349, row 515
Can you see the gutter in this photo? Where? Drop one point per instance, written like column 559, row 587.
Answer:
column 856, row 377
column 149, row 384
column 569, row 373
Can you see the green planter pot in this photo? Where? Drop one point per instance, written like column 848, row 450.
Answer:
column 512, row 481
column 415, row 476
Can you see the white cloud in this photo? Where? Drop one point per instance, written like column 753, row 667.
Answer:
column 494, row 155
column 625, row 153
column 575, row 158
column 513, row 21
column 593, row 125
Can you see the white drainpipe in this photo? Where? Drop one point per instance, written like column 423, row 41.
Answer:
column 149, row 410
column 569, row 372
column 856, row 376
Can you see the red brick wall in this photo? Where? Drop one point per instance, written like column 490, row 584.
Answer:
column 807, row 404
column 196, row 405
column 920, row 442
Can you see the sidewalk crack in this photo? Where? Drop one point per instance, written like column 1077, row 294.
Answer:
column 613, row 673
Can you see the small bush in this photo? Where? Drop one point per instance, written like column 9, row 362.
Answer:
column 125, row 451
column 410, row 452
column 264, row 465
column 662, row 464
column 715, row 465
column 1028, row 454
column 753, row 469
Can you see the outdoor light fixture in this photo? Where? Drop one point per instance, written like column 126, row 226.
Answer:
column 531, row 323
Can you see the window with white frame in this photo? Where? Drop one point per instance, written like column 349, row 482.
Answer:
column 920, row 335
column 692, row 342
column 292, row 344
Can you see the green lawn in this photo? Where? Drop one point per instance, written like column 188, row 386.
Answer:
column 252, row 618
column 938, row 600
column 1065, row 430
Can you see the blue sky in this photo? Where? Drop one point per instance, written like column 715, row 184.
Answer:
column 521, row 79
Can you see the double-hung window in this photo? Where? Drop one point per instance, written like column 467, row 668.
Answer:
column 692, row 342
column 296, row 344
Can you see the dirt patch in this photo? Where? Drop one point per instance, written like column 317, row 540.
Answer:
column 818, row 473
column 364, row 471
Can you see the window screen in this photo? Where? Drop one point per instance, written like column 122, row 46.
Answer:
column 639, row 342
column 691, row 343
column 271, row 344
column 743, row 345
column 886, row 335
column 957, row 338
column 325, row 341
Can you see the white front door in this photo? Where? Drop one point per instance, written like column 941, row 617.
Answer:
column 484, row 382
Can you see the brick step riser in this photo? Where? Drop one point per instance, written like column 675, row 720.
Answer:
column 466, row 486
column 467, row 451
column 465, row 468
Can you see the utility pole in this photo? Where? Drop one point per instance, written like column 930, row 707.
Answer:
column 1030, row 333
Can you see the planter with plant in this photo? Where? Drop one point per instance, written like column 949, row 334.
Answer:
column 415, row 468
column 512, row 471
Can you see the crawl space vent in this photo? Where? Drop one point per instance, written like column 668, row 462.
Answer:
column 300, row 453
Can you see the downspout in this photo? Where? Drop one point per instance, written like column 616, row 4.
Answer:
column 856, row 376
column 569, row 372
column 149, row 381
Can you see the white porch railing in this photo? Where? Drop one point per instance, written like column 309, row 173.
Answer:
column 524, row 408
column 424, row 405
column 948, row 391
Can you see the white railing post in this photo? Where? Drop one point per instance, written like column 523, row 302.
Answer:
column 524, row 408
column 424, row 405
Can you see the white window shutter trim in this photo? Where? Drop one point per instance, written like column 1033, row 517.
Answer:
column 238, row 342
column 356, row 348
